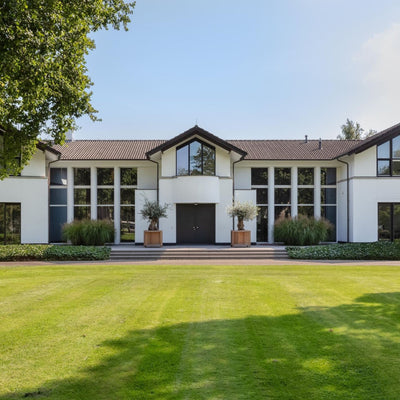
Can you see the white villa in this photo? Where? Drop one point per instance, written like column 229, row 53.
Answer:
column 354, row 184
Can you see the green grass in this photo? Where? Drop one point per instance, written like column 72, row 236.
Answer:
column 200, row 332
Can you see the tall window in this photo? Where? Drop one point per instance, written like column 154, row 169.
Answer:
column 388, row 221
column 388, row 158
column 10, row 223
column 305, row 191
column 259, row 182
column 128, row 186
column 105, row 193
column 328, row 198
column 282, row 193
column 195, row 158
column 81, row 193
column 58, row 203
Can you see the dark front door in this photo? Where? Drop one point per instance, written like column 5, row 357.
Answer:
column 195, row 223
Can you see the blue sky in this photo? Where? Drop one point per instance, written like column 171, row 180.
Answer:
column 251, row 70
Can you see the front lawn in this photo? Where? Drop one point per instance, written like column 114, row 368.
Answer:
column 199, row 332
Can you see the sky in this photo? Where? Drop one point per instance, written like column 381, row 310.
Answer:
column 256, row 69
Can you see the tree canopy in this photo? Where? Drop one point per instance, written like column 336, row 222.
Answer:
column 353, row 130
column 44, row 82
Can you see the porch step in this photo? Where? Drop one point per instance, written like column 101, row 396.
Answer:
column 252, row 253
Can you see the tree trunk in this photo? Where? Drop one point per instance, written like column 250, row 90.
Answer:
column 240, row 224
column 153, row 225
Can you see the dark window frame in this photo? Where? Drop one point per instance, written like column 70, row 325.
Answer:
column 390, row 159
column 391, row 205
column 188, row 162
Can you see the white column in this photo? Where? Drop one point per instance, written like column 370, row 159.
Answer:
column 117, row 201
column 294, row 192
column 317, row 192
column 70, row 194
column 271, row 201
column 93, row 192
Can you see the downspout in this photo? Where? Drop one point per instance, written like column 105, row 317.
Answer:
column 233, row 186
column 158, row 187
column 348, row 197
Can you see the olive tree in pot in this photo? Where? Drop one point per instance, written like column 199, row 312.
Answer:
column 245, row 211
column 153, row 211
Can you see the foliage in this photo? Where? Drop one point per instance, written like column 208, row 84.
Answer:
column 153, row 211
column 352, row 130
column 25, row 252
column 44, row 85
column 89, row 232
column 348, row 251
column 301, row 230
column 245, row 211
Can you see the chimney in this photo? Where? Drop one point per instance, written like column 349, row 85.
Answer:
column 306, row 139
column 320, row 144
column 69, row 137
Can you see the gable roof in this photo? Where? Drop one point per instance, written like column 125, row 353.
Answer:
column 196, row 131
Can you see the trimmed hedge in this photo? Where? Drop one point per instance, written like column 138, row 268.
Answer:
column 30, row 252
column 347, row 251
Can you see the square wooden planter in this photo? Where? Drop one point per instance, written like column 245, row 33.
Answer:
column 153, row 239
column 240, row 238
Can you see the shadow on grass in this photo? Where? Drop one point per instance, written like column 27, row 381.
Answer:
column 351, row 351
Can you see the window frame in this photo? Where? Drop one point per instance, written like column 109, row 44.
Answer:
column 188, row 161
column 390, row 159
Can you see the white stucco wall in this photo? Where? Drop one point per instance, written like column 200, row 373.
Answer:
column 247, row 195
column 141, row 224
column 36, row 166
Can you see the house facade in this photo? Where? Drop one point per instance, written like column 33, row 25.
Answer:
column 353, row 184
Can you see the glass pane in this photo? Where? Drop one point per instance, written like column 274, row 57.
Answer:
column 182, row 161
column 282, row 196
column 81, row 196
column 396, row 147
column 282, row 176
column 262, row 196
column 82, row 176
column 329, row 213
column 282, row 212
column 105, row 212
column 395, row 168
column 128, row 176
column 305, row 176
column 82, row 212
column 305, row 196
column 127, row 224
column 105, row 176
column 58, row 196
column 384, row 150
column 127, row 196
column 259, row 176
column 208, row 160
column 105, row 196
column 58, row 176
column 383, row 167
column 396, row 221
column 307, row 211
column 328, row 176
column 262, row 224
column 2, row 225
column 12, row 223
column 328, row 196
column 195, row 158
column 58, row 217
column 384, row 221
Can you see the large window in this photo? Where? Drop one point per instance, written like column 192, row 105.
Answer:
column 58, row 203
column 389, row 221
column 259, row 182
column 328, row 199
column 305, row 191
column 10, row 223
column 282, row 193
column 128, row 186
column 81, row 193
column 105, row 193
column 195, row 158
column 388, row 158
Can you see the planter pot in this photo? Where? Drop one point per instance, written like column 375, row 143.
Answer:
column 240, row 238
column 153, row 239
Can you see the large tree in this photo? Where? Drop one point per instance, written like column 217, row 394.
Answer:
column 353, row 130
column 44, row 82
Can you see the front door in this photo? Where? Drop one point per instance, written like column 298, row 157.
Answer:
column 195, row 223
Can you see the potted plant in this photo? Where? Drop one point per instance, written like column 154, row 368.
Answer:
column 245, row 211
column 153, row 211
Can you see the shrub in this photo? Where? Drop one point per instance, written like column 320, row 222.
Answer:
column 89, row 232
column 245, row 211
column 301, row 230
column 153, row 211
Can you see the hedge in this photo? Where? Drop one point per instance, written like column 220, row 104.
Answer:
column 347, row 251
column 29, row 252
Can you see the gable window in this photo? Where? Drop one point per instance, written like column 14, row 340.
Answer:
column 388, row 158
column 195, row 158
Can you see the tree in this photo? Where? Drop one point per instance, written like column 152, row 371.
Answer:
column 44, row 82
column 352, row 130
